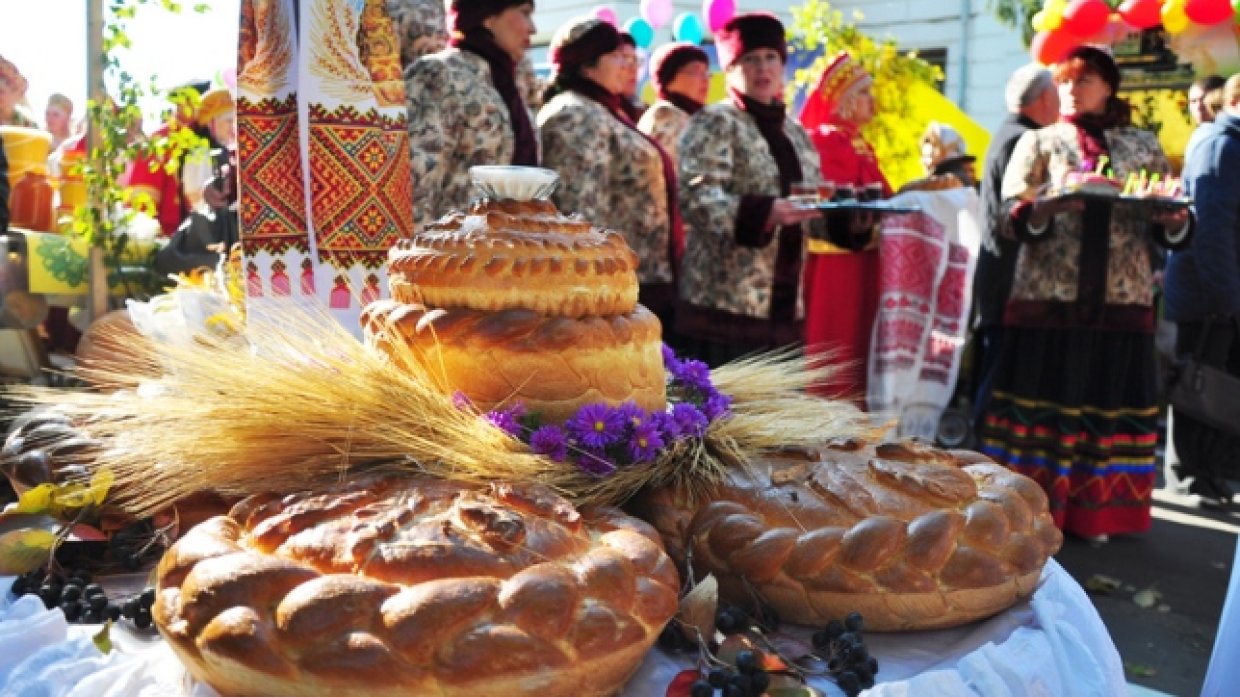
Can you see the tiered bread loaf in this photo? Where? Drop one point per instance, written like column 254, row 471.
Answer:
column 910, row 536
column 514, row 301
column 393, row 587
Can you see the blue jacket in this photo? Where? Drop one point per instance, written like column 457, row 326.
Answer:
column 1203, row 280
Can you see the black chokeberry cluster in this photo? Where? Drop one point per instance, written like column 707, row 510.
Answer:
column 82, row 601
column 135, row 545
column 731, row 619
column 848, row 661
column 746, row 679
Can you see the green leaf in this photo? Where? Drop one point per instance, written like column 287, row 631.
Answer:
column 1140, row 671
column 103, row 638
column 25, row 550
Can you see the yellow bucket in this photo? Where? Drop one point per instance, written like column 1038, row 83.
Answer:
column 27, row 150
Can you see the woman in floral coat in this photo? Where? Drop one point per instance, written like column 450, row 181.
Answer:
column 465, row 105
column 740, row 290
column 680, row 73
column 1073, row 403
column 610, row 173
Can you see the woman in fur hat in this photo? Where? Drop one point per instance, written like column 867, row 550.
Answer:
column 741, row 287
column 610, row 172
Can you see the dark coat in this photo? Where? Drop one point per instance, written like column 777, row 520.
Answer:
column 996, row 263
column 4, row 190
column 1203, row 280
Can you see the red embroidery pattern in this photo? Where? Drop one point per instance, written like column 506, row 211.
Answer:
column 360, row 185
column 272, row 198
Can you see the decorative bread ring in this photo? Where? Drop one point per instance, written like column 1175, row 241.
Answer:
column 507, row 254
column 394, row 587
column 553, row 365
column 910, row 536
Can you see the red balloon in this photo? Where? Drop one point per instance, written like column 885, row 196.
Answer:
column 1142, row 14
column 1085, row 17
column 1050, row 47
column 1207, row 12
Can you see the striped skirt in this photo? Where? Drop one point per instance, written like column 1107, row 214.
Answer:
column 1076, row 410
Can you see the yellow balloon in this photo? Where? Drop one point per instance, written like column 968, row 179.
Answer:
column 1053, row 20
column 1173, row 17
column 1039, row 21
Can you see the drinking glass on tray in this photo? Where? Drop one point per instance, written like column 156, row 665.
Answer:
column 804, row 194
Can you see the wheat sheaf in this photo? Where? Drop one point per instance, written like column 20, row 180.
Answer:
column 296, row 401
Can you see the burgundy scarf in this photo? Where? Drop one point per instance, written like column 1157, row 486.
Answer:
column 480, row 41
column 614, row 104
column 686, row 104
column 770, row 120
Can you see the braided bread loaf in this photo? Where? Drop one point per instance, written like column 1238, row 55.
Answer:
column 515, row 302
column 910, row 536
column 391, row 587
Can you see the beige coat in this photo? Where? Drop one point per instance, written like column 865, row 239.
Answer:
column 724, row 156
column 610, row 174
column 665, row 122
column 457, row 120
column 1047, row 269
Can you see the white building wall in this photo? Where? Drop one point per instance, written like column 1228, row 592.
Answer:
column 977, row 66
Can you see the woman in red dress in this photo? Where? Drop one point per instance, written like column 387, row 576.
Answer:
column 841, row 276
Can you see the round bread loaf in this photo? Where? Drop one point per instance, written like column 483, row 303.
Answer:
column 554, row 365
column 909, row 536
column 507, row 254
column 387, row 587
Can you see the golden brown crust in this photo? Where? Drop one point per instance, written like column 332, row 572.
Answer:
column 396, row 587
column 554, row 365
column 516, row 254
column 911, row 536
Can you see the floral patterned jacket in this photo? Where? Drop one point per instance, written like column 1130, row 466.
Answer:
column 665, row 122
column 1048, row 265
column 723, row 156
column 457, row 120
column 611, row 175
column 421, row 26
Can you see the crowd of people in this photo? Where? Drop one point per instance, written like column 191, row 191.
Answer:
column 1063, row 378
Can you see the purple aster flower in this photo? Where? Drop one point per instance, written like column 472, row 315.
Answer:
column 695, row 374
column 670, row 362
column 508, row 420
column 550, row 441
column 632, row 415
column 597, row 465
column 716, row 405
column 645, row 443
column 596, row 426
column 668, row 429
column 689, row 420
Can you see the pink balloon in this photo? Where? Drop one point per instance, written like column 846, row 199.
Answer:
column 1207, row 12
column 607, row 14
column 657, row 12
column 718, row 12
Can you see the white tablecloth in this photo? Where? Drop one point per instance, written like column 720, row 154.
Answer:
column 1055, row 645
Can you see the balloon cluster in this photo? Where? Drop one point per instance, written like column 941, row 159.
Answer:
column 656, row 14
column 1062, row 25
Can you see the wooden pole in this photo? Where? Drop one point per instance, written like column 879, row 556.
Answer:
column 97, row 276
